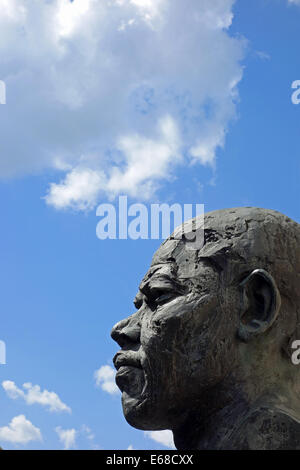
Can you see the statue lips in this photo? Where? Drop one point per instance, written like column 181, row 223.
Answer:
column 128, row 365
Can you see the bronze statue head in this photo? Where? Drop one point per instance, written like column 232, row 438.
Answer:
column 211, row 339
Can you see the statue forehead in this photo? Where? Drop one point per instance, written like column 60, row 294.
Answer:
column 223, row 229
column 175, row 249
column 175, row 260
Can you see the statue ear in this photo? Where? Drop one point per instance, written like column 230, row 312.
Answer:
column 260, row 304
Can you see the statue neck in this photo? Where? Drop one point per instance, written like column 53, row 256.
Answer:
column 210, row 430
column 240, row 425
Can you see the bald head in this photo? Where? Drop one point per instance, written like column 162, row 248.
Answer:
column 228, row 308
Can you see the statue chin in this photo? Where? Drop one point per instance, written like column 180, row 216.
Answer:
column 138, row 413
column 132, row 383
column 137, row 402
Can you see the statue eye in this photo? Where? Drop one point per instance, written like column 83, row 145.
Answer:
column 165, row 297
column 161, row 296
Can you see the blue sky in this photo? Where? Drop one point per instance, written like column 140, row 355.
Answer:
column 136, row 98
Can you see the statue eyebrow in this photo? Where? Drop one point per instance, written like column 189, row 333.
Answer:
column 211, row 260
column 152, row 277
column 175, row 283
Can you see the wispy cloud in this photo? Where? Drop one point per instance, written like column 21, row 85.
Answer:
column 67, row 437
column 32, row 394
column 105, row 379
column 263, row 55
column 86, row 430
column 20, row 431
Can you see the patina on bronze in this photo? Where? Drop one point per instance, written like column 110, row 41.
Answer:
column 208, row 352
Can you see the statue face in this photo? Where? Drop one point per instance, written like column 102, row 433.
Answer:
column 178, row 344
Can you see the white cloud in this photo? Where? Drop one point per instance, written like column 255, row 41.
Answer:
column 67, row 437
column 94, row 89
column 86, row 430
column 32, row 394
column 204, row 149
column 80, row 189
column 162, row 437
column 149, row 9
column 294, row 2
column 90, row 436
column 20, row 431
column 105, row 379
column 146, row 159
column 82, row 186
column 263, row 55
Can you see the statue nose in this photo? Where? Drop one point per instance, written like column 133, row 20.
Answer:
column 126, row 332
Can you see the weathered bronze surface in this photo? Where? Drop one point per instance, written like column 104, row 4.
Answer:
column 208, row 352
